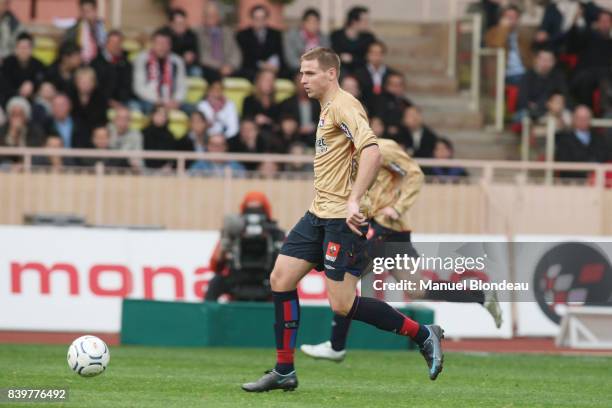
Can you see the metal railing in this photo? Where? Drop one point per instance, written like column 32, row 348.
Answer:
column 465, row 38
column 497, row 196
column 547, row 131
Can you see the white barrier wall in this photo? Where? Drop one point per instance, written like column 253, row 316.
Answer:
column 73, row 279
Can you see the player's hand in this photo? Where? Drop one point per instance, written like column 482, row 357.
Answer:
column 390, row 212
column 355, row 218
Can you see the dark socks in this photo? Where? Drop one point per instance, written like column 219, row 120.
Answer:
column 287, row 313
column 340, row 328
column 383, row 316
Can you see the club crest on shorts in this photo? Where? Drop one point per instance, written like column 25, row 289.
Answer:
column 333, row 250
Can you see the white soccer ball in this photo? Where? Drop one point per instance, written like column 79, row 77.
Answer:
column 88, row 356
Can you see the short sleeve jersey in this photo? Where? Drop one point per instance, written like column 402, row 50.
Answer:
column 343, row 132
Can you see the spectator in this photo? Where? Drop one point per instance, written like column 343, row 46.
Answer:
column 298, row 149
column 378, row 127
column 217, row 143
column 351, row 85
column 10, row 28
column 88, row 32
column 248, row 141
column 184, row 41
column 415, row 135
column 287, row 134
column 392, row 102
column 100, row 140
column 61, row 72
column 56, row 163
column 580, row 144
column 4, row 90
column 123, row 138
column 19, row 131
column 352, row 41
column 261, row 45
column 157, row 136
column 373, row 76
column 261, row 104
column 89, row 104
column 517, row 45
column 556, row 108
column 304, row 38
column 538, row 84
column 44, row 98
column 2, row 115
column 21, row 70
column 594, row 48
column 444, row 150
column 219, row 50
column 198, row 132
column 268, row 169
column 220, row 112
column 61, row 122
column 159, row 75
column 303, row 109
column 559, row 17
column 114, row 70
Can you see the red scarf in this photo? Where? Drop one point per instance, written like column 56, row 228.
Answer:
column 163, row 79
column 311, row 40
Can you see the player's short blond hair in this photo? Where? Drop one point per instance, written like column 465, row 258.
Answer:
column 326, row 57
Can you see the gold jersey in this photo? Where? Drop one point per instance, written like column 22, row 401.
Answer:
column 398, row 183
column 343, row 132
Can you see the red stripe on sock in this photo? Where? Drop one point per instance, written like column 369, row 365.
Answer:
column 286, row 339
column 284, row 356
column 287, row 311
column 409, row 327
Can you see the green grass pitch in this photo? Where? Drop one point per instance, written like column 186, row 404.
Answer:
column 198, row 377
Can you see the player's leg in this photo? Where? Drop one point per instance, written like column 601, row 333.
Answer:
column 488, row 299
column 333, row 349
column 299, row 254
column 380, row 314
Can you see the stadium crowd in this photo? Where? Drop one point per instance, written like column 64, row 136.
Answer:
column 562, row 70
column 91, row 94
column 97, row 95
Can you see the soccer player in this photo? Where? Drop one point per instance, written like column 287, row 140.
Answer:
column 332, row 234
column 394, row 192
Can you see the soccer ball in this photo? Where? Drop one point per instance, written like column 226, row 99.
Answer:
column 88, row 356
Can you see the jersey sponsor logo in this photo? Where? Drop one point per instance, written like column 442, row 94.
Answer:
column 333, row 249
column 321, row 146
column 346, row 130
column 394, row 167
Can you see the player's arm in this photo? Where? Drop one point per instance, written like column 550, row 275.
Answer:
column 369, row 164
column 355, row 126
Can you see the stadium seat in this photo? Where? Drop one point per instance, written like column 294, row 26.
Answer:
column 132, row 47
column 45, row 49
column 196, row 89
column 284, row 89
column 236, row 89
column 512, row 94
column 179, row 123
column 597, row 102
column 138, row 120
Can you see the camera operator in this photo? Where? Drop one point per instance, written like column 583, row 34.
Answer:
column 244, row 256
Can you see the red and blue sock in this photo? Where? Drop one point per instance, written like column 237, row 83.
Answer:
column 287, row 313
column 383, row 316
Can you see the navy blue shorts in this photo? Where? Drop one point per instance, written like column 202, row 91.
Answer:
column 329, row 244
